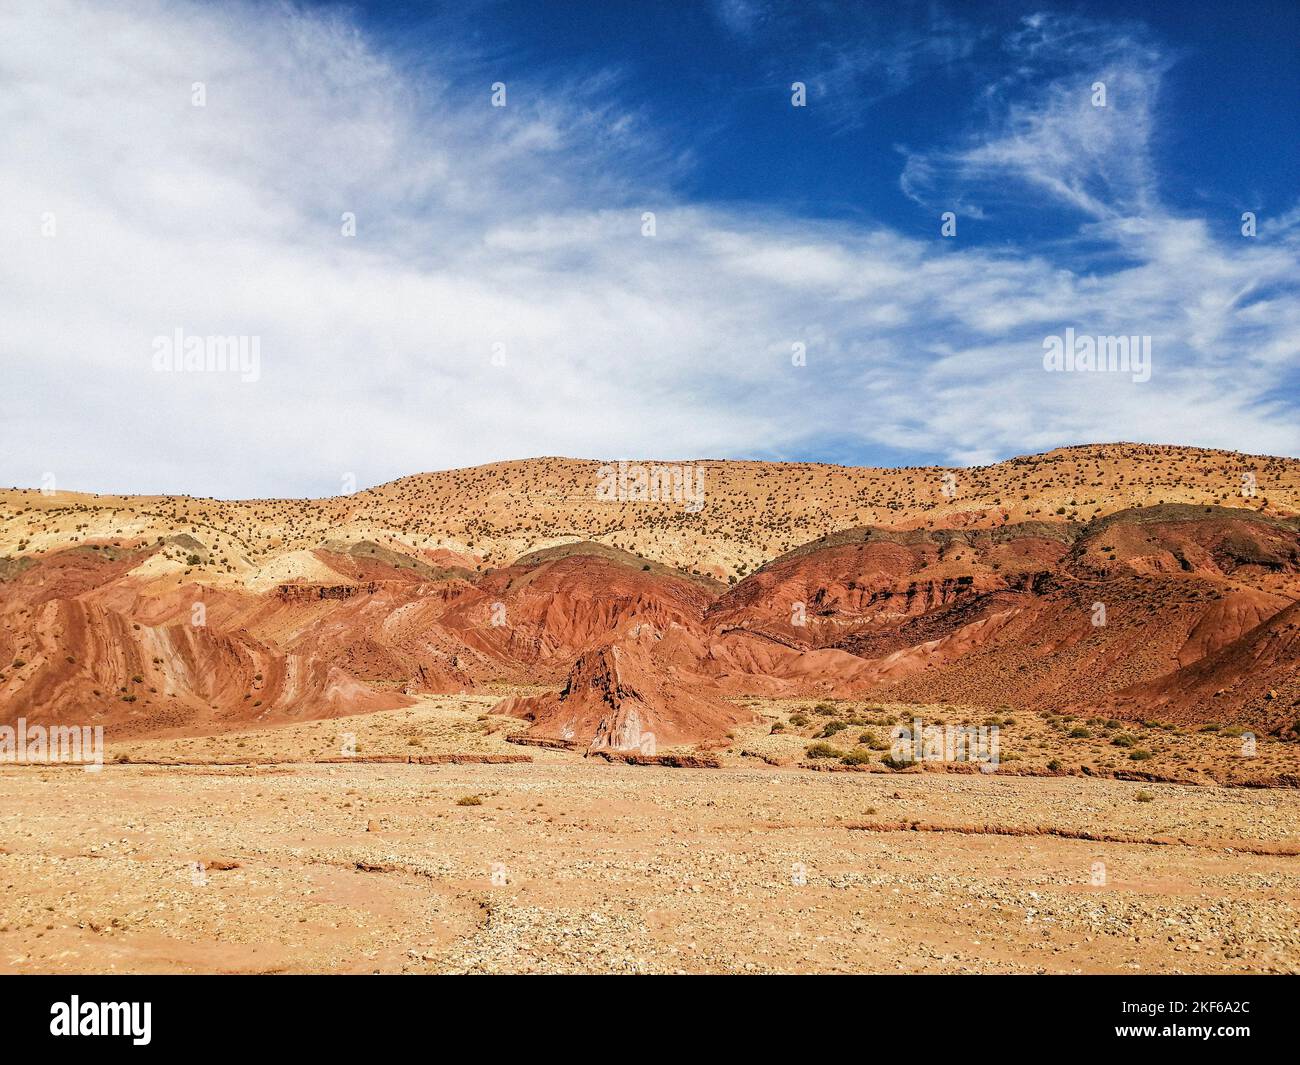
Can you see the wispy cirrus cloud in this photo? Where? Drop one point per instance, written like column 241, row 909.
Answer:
column 742, row 17
column 1072, row 123
column 851, row 57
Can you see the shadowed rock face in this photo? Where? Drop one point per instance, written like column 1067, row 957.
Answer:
column 1253, row 680
column 842, row 592
column 617, row 697
column 1179, row 611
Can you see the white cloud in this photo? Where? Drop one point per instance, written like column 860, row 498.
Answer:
column 522, row 226
column 741, row 17
column 864, row 55
column 1082, row 139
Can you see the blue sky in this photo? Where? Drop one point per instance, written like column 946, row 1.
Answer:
column 713, row 80
column 499, row 298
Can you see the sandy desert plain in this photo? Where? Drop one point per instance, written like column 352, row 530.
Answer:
column 405, row 730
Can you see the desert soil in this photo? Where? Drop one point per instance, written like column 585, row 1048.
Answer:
column 568, row 865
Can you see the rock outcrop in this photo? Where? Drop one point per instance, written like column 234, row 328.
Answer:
column 618, row 698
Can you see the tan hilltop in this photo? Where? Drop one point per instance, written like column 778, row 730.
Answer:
column 752, row 512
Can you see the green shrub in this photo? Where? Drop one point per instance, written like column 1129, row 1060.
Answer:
column 823, row 750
